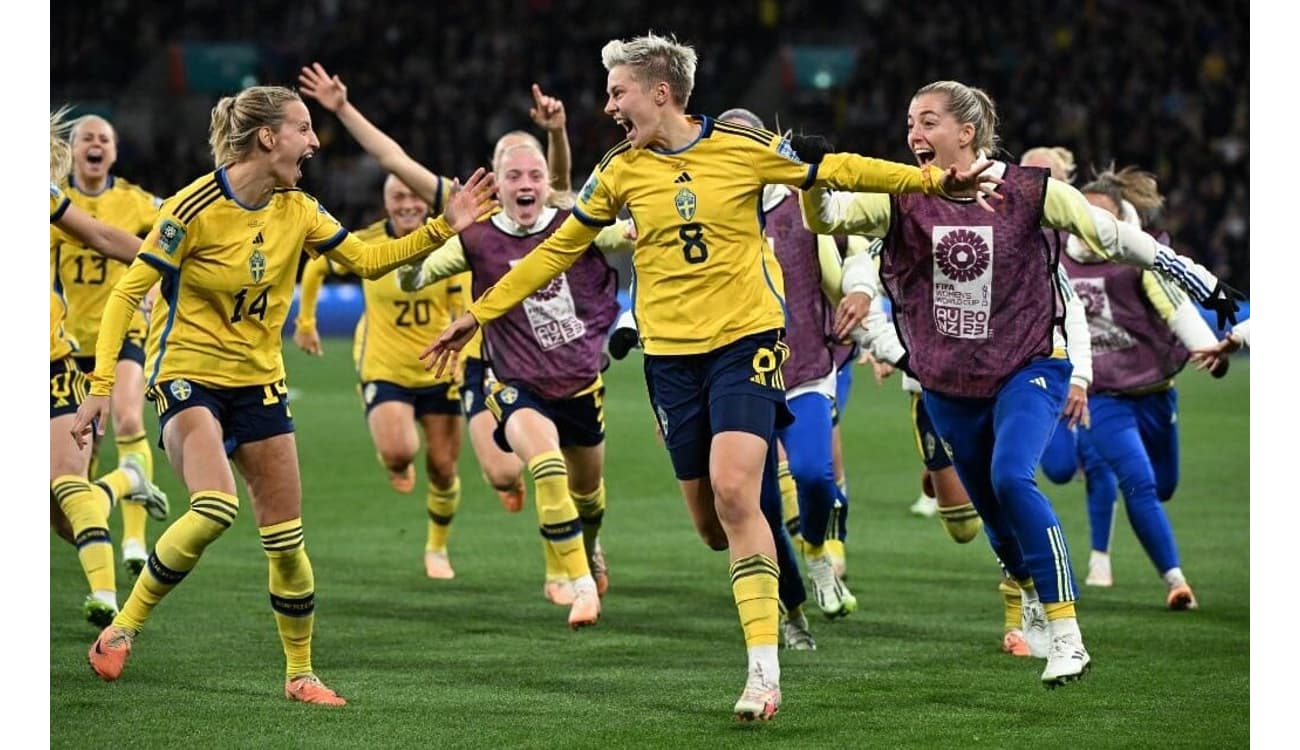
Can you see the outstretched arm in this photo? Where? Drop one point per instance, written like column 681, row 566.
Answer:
column 443, row 263
column 371, row 261
column 107, row 239
column 548, row 113
column 330, row 92
column 548, row 260
column 1109, row 238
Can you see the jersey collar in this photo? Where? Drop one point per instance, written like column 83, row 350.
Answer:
column 508, row 225
column 72, row 183
column 706, row 130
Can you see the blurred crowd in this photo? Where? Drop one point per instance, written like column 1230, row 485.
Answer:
column 1164, row 86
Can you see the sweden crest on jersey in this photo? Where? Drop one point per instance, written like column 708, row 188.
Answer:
column 257, row 266
column 685, row 204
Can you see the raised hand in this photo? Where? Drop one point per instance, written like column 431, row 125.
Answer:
column 444, row 352
column 472, row 201
column 972, row 183
column 317, row 83
column 547, row 111
column 91, row 415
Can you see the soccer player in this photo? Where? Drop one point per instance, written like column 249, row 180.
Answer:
column 1142, row 330
column 226, row 248
column 707, row 299
column 548, row 398
column 977, row 307
column 501, row 469
column 1024, row 622
column 85, row 278
column 396, row 390
column 78, row 508
column 810, row 267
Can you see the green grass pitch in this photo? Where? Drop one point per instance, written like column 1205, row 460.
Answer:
column 485, row 661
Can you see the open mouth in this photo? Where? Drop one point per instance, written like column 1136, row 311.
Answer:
column 526, row 200
column 303, row 160
column 923, row 155
column 95, row 157
column 629, row 128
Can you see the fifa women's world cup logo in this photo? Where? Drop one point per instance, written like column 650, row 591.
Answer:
column 963, row 280
column 1094, row 298
column 963, row 255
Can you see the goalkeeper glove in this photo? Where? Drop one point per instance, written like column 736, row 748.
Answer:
column 811, row 148
column 1223, row 301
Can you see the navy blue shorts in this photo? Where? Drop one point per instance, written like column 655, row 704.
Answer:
column 737, row 388
column 132, row 350
column 928, row 442
column 443, row 398
column 474, row 390
column 68, row 387
column 580, row 420
column 246, row 414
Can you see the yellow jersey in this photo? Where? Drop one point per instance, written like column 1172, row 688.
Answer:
column 398, row 325
column 84, row 276
column 60, row 345
column 703, row 274
column 227, row 272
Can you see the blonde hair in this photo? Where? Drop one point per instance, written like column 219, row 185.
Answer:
column 87, row 119
column 1130, row 184
column 60, row 150
column 1060, row 157
column 653, row 59
column 503, row 144
column 236, row 119
column 555, row 198
column 969, row 105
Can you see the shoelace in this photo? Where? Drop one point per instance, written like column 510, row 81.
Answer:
column 1063, row 647
column 118, row 639
column 823, row 576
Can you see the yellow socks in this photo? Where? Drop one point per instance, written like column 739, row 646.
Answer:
column 591, row 509
column 293, row 592
column 789, row 504
column 87, row 511
column 137, row 445
column 961, row 522
column 754, row 585
column 442, row 505
column 554, row 565
column 1011, row 604
column 176, row 553
column 560, row 525
column 1059, row 610
column 133, row 514
column 118, row 483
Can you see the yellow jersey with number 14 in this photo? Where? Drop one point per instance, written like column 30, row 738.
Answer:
column 227, row 280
